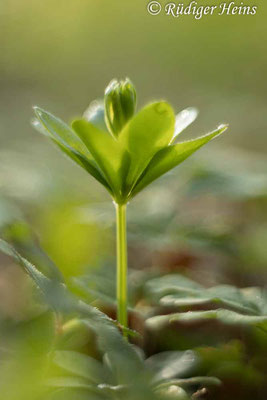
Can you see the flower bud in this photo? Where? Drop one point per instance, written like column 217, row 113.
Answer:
column 120, row 103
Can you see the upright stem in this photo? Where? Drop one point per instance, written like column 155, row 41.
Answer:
column 121, row 265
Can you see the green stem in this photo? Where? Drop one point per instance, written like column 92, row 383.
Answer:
column 121, row 265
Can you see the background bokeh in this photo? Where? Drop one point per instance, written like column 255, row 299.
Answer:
column 206, row 220
column 62, row 54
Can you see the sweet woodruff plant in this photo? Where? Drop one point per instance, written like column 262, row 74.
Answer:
column 125, row 151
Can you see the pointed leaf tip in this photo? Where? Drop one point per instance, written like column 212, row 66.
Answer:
column 223, row 126
column 38, row 111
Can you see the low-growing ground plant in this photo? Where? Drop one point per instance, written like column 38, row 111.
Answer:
column 124, row 152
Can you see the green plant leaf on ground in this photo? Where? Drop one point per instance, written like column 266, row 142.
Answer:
column 54, row 292
column 81, row 365
column 39, row 279
column 71, row 382
column 16, row 230
column 172, row 392
column 171, row 364
column 177, row 301
column 229, row 305
column 171, row 156
column 158, row 373
column 223, row 316
column 102, row 389
column 108, row 378
column 196, row 380
column 57, row 296
column 175, row 290
column 156, row 288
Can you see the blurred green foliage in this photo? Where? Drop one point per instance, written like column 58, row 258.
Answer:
column 197, row 222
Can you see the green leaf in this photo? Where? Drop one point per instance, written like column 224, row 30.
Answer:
column 112, row 390
column 171, row 284
column 78, row 383
column 81, row 365
column 41, row 281
column 177, row 291
column 53, row 291
column 60, row 299
column 171, row 156
column 176, row 301
column 202, row 381
column 183, row 120
column 71, row 382
column 61, row 132
column 226, row 317
column 172, row 392
column 171, row 364
column 223, row 316
column 18, row 232
column 70, row 144
column 150, row 130
column 36, row 124
column 36, row 335
column 118, row 352
column 108, row 153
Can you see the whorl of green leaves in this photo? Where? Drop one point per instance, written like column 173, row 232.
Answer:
column 123, row 151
